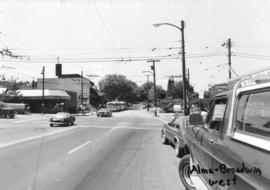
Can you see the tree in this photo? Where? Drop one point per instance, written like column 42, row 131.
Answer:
column 142, row 91
column 160, row 92
column 177, row 91
column 170, row 88
column 118, row 87
column 12, row 94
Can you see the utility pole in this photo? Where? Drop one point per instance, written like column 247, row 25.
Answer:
column 82, row 88
column 147, row 92
column 153, row 67
column 184, row 68
column 228, row 45
column 188, row 95
column 183, row 59
column 43, row 82
column 229, row 57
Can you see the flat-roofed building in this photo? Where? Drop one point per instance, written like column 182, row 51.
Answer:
column 74, row 83
column 55, row 100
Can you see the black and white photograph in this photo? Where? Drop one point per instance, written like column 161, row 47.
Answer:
column 134, row 95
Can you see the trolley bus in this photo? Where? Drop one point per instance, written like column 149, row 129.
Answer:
column 116, row 105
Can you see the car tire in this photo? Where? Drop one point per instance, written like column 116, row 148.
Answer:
column 184, row 172
column 179, row 152
column 51, row 125
column 164, row 140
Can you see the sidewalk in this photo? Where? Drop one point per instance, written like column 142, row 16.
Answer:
column 164, row 117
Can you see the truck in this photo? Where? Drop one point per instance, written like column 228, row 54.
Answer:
column 231, row 148
column 6, row 112
column 20, row 108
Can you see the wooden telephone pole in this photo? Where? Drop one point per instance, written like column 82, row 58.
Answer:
column 153, row 67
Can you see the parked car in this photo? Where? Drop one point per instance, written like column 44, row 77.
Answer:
column 231, row 149
column 104, row 112
column 172, row 133
column 177, row 108
column 62, row 118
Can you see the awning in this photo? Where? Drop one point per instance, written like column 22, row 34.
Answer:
column 48, row 94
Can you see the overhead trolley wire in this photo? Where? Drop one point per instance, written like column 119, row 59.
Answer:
column 104, row 23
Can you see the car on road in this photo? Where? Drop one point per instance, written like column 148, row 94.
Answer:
column 231, row 149
column 104, row 112
column 177, row 108
column 172, row 133
column 62, row 118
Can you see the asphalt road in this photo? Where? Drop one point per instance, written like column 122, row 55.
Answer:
column 119, row 153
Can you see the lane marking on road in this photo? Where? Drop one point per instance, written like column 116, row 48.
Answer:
column 101, row 127
column 122, row 127
column 78, row 147
column 31, row 119
column 34, row 138
column 139, row 128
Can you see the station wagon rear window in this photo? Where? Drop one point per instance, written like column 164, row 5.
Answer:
column 253, row 114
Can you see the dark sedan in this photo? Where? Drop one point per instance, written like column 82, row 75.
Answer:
column 104, row 113
column 62, row 118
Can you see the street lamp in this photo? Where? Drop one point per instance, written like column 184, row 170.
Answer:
column 183, row 60
column 165, row 23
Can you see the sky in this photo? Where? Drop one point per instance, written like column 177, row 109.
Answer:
column 101, row 37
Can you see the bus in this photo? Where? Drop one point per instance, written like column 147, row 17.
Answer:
column 116, row 106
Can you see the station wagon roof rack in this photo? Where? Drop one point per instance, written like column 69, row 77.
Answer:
column 256, row 77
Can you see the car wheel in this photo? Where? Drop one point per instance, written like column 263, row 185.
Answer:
column 164, row 140
column 51, row 125
column 184, row 172
column 179, row 152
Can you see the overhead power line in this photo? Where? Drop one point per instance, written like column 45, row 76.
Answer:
column 118, row 24
column 104, row 23
column 94, row 60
